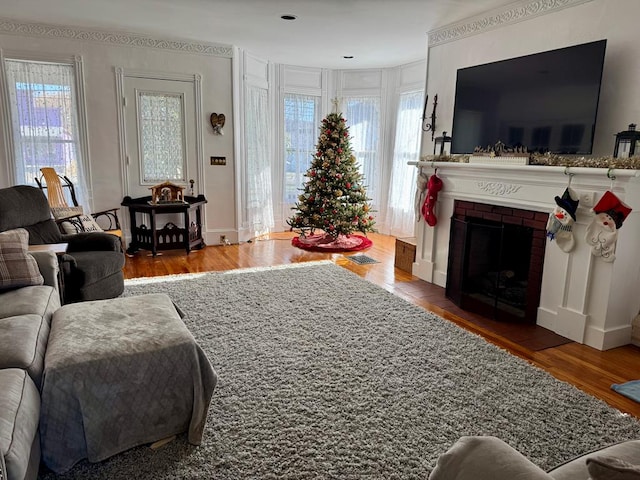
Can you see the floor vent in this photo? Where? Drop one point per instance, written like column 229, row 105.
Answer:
column 361, row 259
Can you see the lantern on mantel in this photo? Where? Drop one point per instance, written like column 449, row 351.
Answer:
column 627, row 142
column 442, row 145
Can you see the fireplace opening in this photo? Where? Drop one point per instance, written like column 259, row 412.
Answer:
column 495, row 261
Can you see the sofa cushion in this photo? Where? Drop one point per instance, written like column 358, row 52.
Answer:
column 577, row 468
column 94, row 267
column 17, row 267
column 23, row 205
column 44, row 232
column 602, row 467
column 19, row 416
column 40, row 300
column 23, row 341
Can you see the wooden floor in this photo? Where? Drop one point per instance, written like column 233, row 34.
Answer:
column 589, row 369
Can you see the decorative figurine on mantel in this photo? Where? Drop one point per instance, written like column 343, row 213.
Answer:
column 166, row 192
column 499, row 149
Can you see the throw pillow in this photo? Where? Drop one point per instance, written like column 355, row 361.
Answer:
column 87, row 221
column 610, row 468
column 18, row 268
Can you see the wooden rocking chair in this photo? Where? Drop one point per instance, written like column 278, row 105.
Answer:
column 71, row 218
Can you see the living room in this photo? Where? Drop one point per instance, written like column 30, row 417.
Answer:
column 220, row 72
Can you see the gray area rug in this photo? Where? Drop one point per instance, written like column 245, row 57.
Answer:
column 325, row 375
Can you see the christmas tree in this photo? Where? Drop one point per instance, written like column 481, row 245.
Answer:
column 334, row 198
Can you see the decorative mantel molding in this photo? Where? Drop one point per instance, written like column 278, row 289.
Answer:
column 510, row 14
column 8, row 26
column 499, row 189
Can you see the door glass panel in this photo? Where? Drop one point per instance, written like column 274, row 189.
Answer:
column 162, row 137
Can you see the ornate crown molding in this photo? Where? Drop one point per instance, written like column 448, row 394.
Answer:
column 498, row 189
column 497, row 18
column 121, row 39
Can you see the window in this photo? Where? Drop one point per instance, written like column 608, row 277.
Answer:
column 258, row 195
column 162, row 140
column 300, row 137
column 45, row 131
column 363, row 118
column 401, row 209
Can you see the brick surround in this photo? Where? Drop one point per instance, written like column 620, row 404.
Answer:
column 464, row 210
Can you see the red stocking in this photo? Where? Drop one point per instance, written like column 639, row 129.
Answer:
column 433, row 187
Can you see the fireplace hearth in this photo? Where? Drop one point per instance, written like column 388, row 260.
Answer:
column 495, row 258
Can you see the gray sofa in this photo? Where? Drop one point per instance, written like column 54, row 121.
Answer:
column 489, row 458
column 25, row 318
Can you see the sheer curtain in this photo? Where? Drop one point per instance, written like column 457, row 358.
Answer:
column 162, row 137
column 258, row 194
column 400, row 209
column 363, row 118
column 44, row 117
column 301, row 130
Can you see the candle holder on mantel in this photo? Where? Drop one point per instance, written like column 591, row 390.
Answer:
column 429, row 124
column 444, row 142
column 627, row 142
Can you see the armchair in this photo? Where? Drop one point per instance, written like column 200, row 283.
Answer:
column 92, row 266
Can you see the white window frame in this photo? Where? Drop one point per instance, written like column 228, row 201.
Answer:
column 83, row 140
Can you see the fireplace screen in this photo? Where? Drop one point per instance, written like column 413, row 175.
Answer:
column 489, row 269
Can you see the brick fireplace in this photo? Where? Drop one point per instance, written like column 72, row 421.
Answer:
column 581, row 297
column 495, row 260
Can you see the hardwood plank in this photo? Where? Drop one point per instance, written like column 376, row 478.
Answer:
column 588, row 369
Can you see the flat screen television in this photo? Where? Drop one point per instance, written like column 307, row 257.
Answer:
column 546, row 102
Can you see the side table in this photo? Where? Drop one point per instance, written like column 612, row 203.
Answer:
column 59, row 249
column 170, row 236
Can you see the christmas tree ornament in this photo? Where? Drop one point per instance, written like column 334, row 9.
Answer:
column 561, row 220
column 434, row 185
column 333, row 198
column 602, row 231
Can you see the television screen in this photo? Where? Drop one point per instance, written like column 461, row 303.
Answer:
column 546, row 102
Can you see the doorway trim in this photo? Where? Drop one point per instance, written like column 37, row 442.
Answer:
column 196, row 80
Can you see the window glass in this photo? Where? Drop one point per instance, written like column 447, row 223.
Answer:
column 44, row 119
column 300, row 137
column 363, row 118
column 162, row 140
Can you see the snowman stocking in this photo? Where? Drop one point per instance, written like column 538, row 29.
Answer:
column 434, row 185
column 561, row 220
column 602, row 232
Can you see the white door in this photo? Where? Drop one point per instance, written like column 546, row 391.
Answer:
column 160, row 133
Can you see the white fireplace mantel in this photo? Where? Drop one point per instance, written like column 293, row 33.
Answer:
column 583, row 297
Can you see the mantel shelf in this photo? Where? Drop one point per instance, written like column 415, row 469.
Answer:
column 548, row 160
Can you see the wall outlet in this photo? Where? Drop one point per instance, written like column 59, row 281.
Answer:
column 587, row 199
column 218, row 160
column 223, row 239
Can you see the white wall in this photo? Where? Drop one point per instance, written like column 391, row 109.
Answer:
column 100, row 58
column 224, row 73
column 615, row 21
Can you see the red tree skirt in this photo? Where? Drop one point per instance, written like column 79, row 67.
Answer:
column 325, row 243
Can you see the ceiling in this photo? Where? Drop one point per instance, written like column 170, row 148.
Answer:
column 377, row 33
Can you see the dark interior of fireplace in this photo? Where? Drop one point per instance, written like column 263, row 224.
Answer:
column 494, row 269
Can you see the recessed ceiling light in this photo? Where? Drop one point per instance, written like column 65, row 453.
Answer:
column 288, row 17
column 348, row 56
